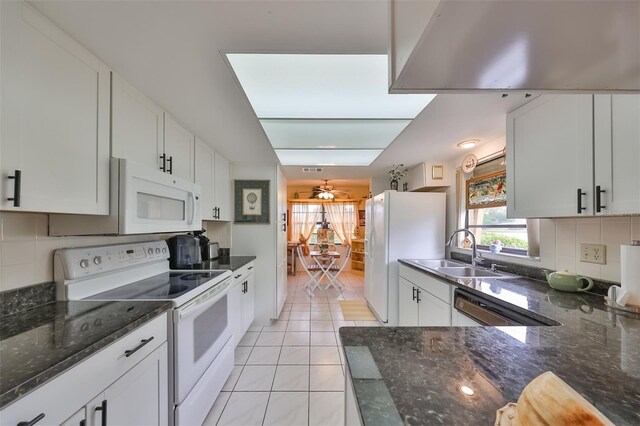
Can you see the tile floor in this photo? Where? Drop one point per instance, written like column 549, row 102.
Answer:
column 291, row 372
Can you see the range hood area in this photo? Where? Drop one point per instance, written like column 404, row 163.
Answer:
column 465, row 46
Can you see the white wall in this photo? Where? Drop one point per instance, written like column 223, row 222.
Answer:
column 560, row 239
column 259, row 239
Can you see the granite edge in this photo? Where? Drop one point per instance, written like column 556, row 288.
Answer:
column 25, row 298
column 47, row 375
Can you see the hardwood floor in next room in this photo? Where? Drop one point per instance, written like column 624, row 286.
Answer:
column 292, row 372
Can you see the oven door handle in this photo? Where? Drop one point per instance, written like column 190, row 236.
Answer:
column 201, row 302
column 193, row 207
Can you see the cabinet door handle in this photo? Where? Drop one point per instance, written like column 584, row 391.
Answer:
column 419, row 292
column 170, row 161
column 599, row 191
column 214, row 213
column 83, row 422
column 103, row 409
column 414, row 293
column 17, row 187
column 250, row 268
column 143, row 342
column 237, row 276
column 163, row 157
column 580, row 194
column 32, row 422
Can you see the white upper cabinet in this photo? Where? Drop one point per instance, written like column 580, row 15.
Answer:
column 212, row 173
column 221, row 189
column 617, row 154
column 55, row 118
column 136, row 125
column 428, row 176
column 178, row 148
column 550, row 157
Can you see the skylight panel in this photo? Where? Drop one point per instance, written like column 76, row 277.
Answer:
column 332, row 133
column 327, row 157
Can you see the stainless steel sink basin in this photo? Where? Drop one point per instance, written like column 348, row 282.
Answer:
column 434, row 264
column 466, row 272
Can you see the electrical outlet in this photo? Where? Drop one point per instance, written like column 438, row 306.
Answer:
column 593, row 253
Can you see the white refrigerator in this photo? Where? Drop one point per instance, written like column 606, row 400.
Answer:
column 399, row 225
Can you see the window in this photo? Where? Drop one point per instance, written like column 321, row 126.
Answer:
column 318, row 225
column 491, row 225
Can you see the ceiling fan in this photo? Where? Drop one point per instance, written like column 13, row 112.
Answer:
column 325, row 191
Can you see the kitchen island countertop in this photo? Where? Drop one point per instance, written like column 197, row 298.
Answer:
column 414, row 375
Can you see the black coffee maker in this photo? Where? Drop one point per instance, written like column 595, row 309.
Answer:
column 208, row 250
column 184, row 252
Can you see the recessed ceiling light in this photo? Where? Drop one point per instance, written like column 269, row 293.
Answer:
column 466, row 390
column 467, row 144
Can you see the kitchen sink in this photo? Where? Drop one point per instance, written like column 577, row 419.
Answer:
column 467, row 272
column 434, row 264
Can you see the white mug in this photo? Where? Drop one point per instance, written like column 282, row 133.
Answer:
column 617, row 294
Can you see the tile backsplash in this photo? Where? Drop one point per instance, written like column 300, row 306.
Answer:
column 26, row 250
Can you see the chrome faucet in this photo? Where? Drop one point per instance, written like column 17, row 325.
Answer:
column 475, row 256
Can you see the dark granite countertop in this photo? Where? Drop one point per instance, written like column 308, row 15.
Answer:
column 232, row 263
column 413, row 375
column 39, row 344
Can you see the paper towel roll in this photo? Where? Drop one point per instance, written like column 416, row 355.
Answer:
column 630, row 273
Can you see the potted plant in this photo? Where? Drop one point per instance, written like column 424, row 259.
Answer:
column 395, row 174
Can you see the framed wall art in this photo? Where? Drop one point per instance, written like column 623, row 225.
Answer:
column 251, row 201
column 487, row 191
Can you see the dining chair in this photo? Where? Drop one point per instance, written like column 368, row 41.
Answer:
column 313, row 270
column 335, row 270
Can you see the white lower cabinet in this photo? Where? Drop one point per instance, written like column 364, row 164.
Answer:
column 241, row 301
column 125, row 383
column 424, row 301
column 460, row 320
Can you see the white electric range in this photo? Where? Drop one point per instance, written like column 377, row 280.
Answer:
column 200, row 335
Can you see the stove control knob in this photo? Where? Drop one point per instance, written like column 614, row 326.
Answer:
column 164, row 250
column 84, row 263
column 97, row 260
column 157, row 251
column 150, row 251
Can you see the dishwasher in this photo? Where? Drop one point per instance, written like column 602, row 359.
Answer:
column 480, row 311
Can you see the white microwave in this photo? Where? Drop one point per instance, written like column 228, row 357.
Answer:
column 142, row 201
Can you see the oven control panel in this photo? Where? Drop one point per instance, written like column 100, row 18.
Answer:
column 74, row 263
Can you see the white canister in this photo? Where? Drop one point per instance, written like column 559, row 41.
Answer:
column 630, row 273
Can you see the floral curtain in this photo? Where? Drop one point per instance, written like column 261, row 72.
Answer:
column 343, row 217
column 304, row 217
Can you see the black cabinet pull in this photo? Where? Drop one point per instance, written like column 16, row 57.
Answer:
column 130, row 352
column 83, row 422
column 32, row 422
column 214, row 213
column 419, row 292
column 237, row 276
column 103, row 409
column 599, row 205
column 17, row 187
column 414, row 293
column 170, row 161
column 580, row 194
column 250, row 268
column 217, row 212
column 163, row 157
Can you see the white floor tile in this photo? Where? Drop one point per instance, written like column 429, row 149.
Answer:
column 326, row 378
column 320, row 307
column 241, row 355
column 337, row 315
column 321, row 326
column 256, row 378
column 294, row 355
column 296, row 338
column 287, row 409
column 270, row 338
column 299, row 316
column 249, row 338
column 325, row 355
column 277, row 325
column 323, row 338
column 291, row 378
column 264, row 355
column 299, row 326
column 321, row 315
column 216, row 410
column 326, row 408
column 300, row 307
column 245, row 408
column 233, row 379
column 367, row 323
column 338, row 324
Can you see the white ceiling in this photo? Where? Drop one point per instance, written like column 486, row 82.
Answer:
column 171, row 50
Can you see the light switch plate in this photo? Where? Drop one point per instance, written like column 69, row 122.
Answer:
column 593, row 253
